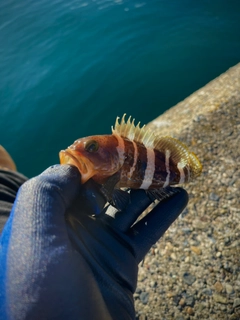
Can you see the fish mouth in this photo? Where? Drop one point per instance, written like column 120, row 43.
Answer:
column 84, row 166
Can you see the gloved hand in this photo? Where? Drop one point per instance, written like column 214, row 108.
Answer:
column 59, row 262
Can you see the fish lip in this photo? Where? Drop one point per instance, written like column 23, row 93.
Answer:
column 67, row 157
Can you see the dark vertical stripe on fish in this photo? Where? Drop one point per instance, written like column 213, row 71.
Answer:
column 135, row 163
column 160, row 174
column 128, row 160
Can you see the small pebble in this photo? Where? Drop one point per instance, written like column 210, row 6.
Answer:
column 170, row 294
column 190, row 301
column 198, row 224
column 207, row 292
column 236, row 302
column 182, row 302
column 176, row 299
column 229, row 288
column 144, row 296
column 173, row 256
column 214, row 197
column 218, row 286
column 219, row 298
column 188, row 278
column 153, row 284
column 189, row 311
column 196, row 250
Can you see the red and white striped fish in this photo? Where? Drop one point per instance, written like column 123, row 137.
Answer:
column 132, row 157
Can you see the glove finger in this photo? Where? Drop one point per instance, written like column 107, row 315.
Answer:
column 123, row 220
column 36, row 231
column 47, row 196
column 150, row 229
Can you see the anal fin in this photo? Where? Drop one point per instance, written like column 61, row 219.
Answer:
column 162, row 193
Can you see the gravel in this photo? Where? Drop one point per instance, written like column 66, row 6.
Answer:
column 193, row 272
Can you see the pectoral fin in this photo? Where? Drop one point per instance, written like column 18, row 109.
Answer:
column 107, row 188
column 116, row 197
column 120, row 199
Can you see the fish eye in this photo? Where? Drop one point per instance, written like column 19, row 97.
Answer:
column 91, row 146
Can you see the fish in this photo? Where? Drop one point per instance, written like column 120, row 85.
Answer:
column 132, row 157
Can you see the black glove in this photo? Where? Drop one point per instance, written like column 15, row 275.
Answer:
column 59, row 262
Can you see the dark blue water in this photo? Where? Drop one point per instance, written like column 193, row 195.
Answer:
column 68, row 68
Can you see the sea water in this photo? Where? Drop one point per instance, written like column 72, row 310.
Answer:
column 69, row 67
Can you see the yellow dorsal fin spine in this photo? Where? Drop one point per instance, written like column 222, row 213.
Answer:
column 130, row 131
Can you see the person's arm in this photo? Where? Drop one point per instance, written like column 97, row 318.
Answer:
column 10, row 182
column 59, row 262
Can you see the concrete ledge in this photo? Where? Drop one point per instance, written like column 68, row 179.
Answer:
column 204, row 243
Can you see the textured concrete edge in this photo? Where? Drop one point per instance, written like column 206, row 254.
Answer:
column 203, row 101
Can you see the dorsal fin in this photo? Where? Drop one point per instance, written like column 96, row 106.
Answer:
column 180, row 153
column 134, row 133
column 175, row 148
